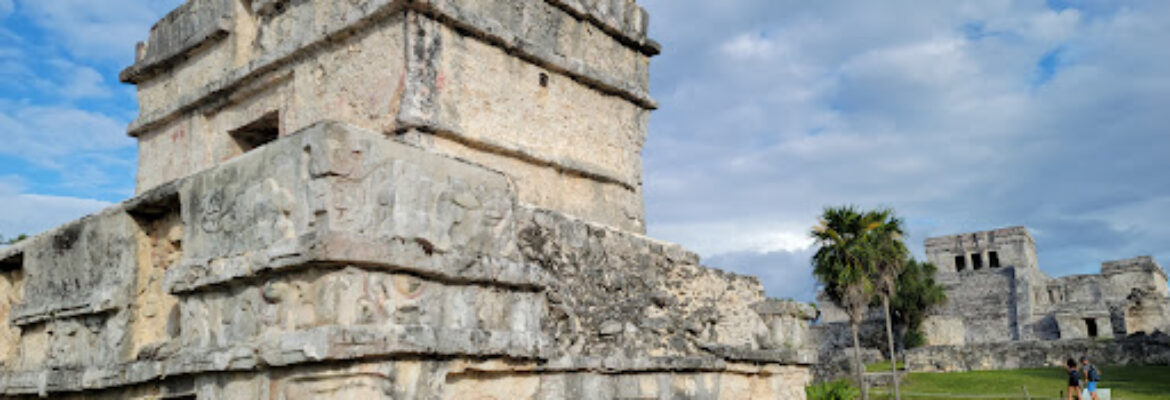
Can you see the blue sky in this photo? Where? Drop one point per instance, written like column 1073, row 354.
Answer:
column 962, row 115
column 63, row 114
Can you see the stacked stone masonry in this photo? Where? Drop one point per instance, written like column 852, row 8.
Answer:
column 998, row 296
column 554, row 93
column 388, row 199
column 1015, row 301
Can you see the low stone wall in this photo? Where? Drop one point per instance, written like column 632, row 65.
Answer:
column 1138, row 349
column 834, row 342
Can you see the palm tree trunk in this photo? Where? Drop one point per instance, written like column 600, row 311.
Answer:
column 893, row 355
column 857, row 362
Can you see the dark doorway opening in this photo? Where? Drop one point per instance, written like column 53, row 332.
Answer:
column 977, row 261
column 1091, row 327
column 993, row 259
column 960, row 263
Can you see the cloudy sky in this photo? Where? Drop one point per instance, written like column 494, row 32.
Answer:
column 961, row 115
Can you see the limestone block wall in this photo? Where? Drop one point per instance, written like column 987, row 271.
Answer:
column 984, row 302
column 337, row 263
column 1137, row 350
column 944, row 331
column 1146, row 314
column 1076, row 325
column 552, row 92
column 1144, row 274
column 1000, row 248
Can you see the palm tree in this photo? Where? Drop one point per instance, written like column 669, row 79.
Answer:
column 887, row 255
column 842, row 266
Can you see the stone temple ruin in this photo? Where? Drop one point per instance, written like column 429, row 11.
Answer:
column 432, row 199
column 1004, row 312
column 998, row 293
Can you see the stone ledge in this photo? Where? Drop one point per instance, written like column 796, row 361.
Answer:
column 338, row 250
column 785, row 308
column 1138, row 349
column 371, row 13
column 238, row 78
column 629, row 24
column 529, row 50
column 192, row 25
column 157, row 63
column 322, row 344
column 197, row 22
column 793, row 356
column 72, row 270
column 560, row 164
column 1000, row 235
column 1135, row 264
column 517, row 352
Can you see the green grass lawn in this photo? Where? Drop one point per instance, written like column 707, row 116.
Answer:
column 1127, row 383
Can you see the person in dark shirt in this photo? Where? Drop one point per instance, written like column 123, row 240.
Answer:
column 1074, row 381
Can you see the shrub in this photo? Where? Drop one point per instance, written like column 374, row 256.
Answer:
column 915, row 339
column 835, row 390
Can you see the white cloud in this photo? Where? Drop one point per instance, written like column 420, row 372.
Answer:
column 102, row 30
column 32, row 214
column 60, row 136
column 5, row 8
column 57, row 80
column 776, row 109
column 1055, row 27
column 748, row 46
column 718, row 237
column 79, row 82
column 75, row 150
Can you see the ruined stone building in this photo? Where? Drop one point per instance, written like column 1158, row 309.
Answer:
column 1003, row 311
column 407, row 199
column 998, row 293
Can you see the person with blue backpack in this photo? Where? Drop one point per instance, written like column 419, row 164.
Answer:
column 1091, row 375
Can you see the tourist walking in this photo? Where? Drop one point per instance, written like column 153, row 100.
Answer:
column 1091, row 376
column 1074, row 379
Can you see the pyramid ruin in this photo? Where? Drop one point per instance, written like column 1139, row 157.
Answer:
column 389, row 199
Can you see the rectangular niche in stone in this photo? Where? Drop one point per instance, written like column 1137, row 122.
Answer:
column 154, row 320
column 257, row 133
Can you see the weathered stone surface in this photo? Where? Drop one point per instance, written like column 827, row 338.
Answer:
column 553, row 118
column 195, row 23
column 336, row 244
column 944, row 331
column 11, row 294
column 620, row 296
column 1137, row 349
column 83, row 268
column 431, row 199
column 332, row 194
